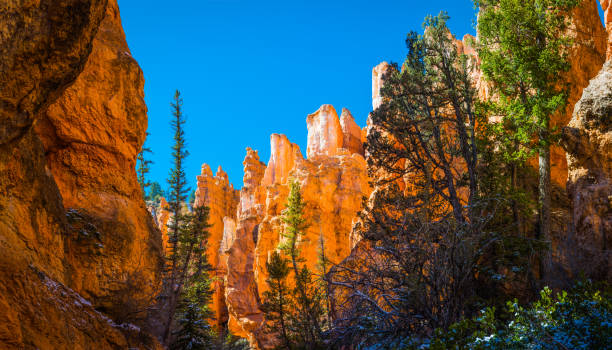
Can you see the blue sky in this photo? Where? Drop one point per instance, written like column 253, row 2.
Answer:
column 247, row 69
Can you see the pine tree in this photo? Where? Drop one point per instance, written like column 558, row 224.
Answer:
column 156, row 192
column 324, row 283
column 193, row 284
column 143, row 168
column 178, row 194
column 307, row 303
column 276, row 301
column 523, row 48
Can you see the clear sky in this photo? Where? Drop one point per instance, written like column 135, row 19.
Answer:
column 247, row 68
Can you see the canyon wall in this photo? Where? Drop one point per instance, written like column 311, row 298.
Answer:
column 333, row 183
column 588, row 142
column 220, row 196
column 46, row 47
column 92, row 135
column 606, row 5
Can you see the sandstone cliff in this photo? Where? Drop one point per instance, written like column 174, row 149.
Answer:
column 606, row 5
column 92, row 135
column 46, row 46
column 333, row 180
column 588, row 140
column 220, row 196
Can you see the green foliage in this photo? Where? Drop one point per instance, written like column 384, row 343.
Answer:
column 580, row 319
column 295, row 223
column 523, row 47
column 192, row 330
column 143, row 168
column 177, row 178
column 191, row 199
column 295, row 316
column 155, row 192
column 276, row 300
column 193, row 315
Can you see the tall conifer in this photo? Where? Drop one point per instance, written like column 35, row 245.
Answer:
column 177, row 196
column 523, row 48
column 143, row 168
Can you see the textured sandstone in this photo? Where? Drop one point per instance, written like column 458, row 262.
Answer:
column 92, row 135
column 240, row 288
column 586, row 57
column 333, row 189
column 324, row 132
column 283, row 156
column 163, row 220
column 220, row 196
column 377, row 82
column 44, row 47
column 606, row 5
column 588, row 141
column 352, row 134
column 334, row 182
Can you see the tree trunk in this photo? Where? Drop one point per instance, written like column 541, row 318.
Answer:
column 545, row 202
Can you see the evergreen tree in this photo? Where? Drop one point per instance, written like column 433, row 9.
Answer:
column 143, row 168
column 306, row 297
column 276, row 301
column 324, row 283
column 523, row 48
column 155, row 192
column 177, row 196
column 191, row 199
column 432, row 246
column 193, row 284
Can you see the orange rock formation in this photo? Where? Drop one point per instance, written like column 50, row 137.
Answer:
column 588, row 140
column 46, row 46
column 220, row 196
column 333, row 181
column 606, row 5
column 92, row 135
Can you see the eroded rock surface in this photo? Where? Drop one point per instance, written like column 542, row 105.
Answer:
column 92, row 135
column 588, row 141
column 219, row 195
column 324, row 132
column 606, row 5
column 45, row 45
column 333, row 181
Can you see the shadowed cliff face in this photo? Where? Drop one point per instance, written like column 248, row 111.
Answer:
column 588, row 141
column 45, row 46
column 92, row 135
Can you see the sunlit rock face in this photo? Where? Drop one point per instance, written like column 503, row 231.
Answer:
column 606, row 5
column 240, row 288
column 377, row 82
column 324, row 132
column 588, row 141
column 92, row 135
column 333, row 181
column 46, row 46
column 283, row 157
column 351, row 133
column 163, row 220
column 219, row 195
column 586, row 57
